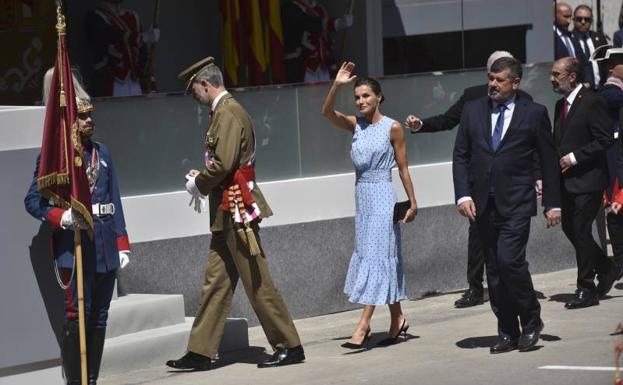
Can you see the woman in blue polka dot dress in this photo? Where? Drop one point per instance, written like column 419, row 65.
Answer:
column 375, row 275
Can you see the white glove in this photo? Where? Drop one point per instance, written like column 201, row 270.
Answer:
column 67, row 220
column 191, row 187
column 343, row 22
column 199, row 202
column 124, row 259
column 151, row 36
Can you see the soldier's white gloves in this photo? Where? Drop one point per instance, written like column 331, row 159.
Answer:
column 199, row 202
column 191, row 187
column 124, row 259
column 67, row 220
column 343, row 22
column 151, row 36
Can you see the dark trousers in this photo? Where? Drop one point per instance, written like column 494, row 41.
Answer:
column 475, row 259
column 615, row 229
column 578, row 213
column 512, row 296
column 98, row 291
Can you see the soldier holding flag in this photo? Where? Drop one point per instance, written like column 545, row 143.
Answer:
column 75, row 187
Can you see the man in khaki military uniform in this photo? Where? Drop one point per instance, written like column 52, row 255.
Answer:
column 236, row 207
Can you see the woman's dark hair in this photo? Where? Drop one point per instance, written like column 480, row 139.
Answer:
column 374, row 85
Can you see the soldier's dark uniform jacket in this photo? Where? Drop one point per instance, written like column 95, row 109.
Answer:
column 109, row 235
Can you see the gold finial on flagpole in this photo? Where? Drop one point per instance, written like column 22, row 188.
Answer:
column 60, row 20
column 60, row 30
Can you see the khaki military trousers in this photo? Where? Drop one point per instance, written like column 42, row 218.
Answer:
column 229, row 260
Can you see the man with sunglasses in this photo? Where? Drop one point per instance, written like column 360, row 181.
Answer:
column 588, row 41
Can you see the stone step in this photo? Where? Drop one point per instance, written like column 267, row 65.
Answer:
column 153, row 347
column 137, row 312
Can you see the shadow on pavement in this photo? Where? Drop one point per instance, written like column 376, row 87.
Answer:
column 563, row 297
column 477, row 342
column 550, row 338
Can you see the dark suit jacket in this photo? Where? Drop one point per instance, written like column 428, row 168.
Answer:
column 509, row 169
column 586, row 133
column 560, row 49
column 598, row 39
column 449, row 119
column 617, row 39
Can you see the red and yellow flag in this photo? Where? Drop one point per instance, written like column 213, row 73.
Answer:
column 274, row 42
column 62, row 177
column 257, row 63
column 230, row 12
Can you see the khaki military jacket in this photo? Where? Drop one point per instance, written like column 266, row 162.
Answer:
column 230, row 142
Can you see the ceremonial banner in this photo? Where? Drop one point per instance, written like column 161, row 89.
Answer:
column 62, row 177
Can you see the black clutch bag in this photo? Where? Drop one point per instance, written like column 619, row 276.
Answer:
column 400, row 210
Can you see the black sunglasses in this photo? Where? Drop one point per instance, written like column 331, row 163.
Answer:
column 583, row 19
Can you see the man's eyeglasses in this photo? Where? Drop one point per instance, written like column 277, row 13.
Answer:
column 583, row 19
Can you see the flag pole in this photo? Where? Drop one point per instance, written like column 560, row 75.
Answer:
column 81, row 325
column 61, row 30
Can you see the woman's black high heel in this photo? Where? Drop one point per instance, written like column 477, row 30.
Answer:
column 394, row 340
column 362, row 345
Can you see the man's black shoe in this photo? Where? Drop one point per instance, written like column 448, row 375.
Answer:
column 505, row 344
column 583, row 298
column 191, row 361
column 529, row 338
column 606, row 281
column 284, row 357
column 620, row 275
column 470, row 298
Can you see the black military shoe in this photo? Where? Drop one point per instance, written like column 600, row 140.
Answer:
column 505, row 344
column 470, row 298
column 284, row 357
column 606, row 281
column 191, row 361
column 583, row 298
column 529, row 338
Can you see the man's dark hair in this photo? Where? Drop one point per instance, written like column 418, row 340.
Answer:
column 508, row 63
column 573, row 66
column 584, row 7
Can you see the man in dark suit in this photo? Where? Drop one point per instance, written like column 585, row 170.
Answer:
column 612, row 92
column 494, row 186
column 582, row 136
column 588, row 41
column 444, row 122
column 564, row 42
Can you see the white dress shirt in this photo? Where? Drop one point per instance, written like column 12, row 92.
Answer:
column 570, row 100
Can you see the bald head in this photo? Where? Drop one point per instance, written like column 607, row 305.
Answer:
column 562, row 15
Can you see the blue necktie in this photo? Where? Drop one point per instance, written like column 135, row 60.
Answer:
column 499, row 127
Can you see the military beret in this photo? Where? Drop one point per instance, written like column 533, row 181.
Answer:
column 188, row 74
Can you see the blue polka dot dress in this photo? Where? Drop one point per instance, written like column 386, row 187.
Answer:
column 375, row 275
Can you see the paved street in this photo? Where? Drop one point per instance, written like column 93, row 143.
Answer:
column 445, row 346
